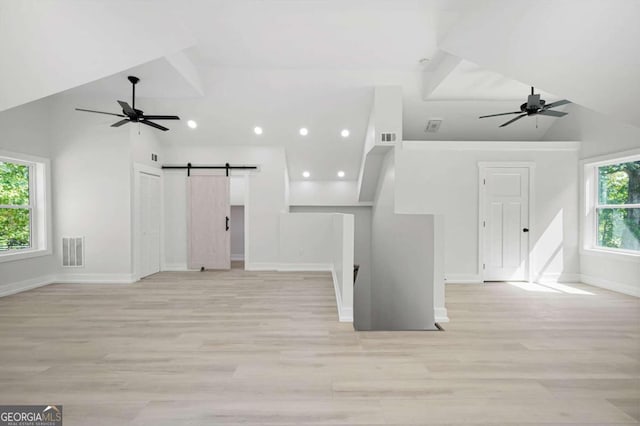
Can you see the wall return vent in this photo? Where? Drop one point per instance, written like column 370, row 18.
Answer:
column 72, row 252
column 387, row 137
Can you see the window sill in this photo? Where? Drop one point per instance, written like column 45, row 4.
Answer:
column 614, row 255
column 20, row 255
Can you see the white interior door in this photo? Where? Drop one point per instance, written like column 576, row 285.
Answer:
column 506, row 223
column 149, row 224
column 209, row 214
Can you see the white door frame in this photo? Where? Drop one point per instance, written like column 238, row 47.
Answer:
column 482, row 166
column 139, row 169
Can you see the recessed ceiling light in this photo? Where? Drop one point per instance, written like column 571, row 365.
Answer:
column 345, row 133
column 306, row 174
column 304, row 131
column 340, row 174
column 192, row 124
column 257, row 130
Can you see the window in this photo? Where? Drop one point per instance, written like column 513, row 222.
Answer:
column 23, row 206
column 16, row 210
column 617, row 206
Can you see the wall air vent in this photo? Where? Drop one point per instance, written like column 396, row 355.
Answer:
column 387, row 137
column 433, row 126
column 73, row 252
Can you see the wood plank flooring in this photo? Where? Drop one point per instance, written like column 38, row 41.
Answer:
column 238, row 347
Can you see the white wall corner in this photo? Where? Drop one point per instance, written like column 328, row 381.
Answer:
column 558, row 277
column 20, row 286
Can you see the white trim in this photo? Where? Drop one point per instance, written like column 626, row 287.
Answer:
column 589, row 205
column 39, row 204
column 440, row 315
column 95, row 279
column 288, row 267
column 623, row 256
column 138, row 169
column 354, row 204
column 237, row 257
column 11, row 256
column 502, row 146
column 611, row 285
column 463, row 279
column 482, row 166
column 558, row 277
column 176, row 267
column 30, row 284
column 345, row 313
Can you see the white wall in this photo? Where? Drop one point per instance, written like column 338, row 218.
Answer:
column 324, row 193
column 92, row 185
column 321, row 242
column 601, row 135
column 265, row 199
column 362, row 257
column 403, row 253
column 25, row 130
column 236, row 227
column 342, row 260
column 306, row 240
column 442, row 178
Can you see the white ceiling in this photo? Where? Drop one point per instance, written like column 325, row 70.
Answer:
column 285, row 64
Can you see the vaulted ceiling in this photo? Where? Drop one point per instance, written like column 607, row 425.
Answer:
column 232, row 65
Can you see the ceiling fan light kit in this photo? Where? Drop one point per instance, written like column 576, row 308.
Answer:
column 132, row 115
column 533, row 106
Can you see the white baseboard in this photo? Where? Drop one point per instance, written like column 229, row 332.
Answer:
column 441, row 315
column 71, row 278
column 630, row 290
column 286, row 267
column 174, row 267
column 20, row 286
column 237, row 257
column 345, row 313
column 558, row 277
column 463, row 279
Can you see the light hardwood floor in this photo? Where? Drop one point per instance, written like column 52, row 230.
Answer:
column 266, row 348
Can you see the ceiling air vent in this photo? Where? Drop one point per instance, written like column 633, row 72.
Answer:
column 72, row 252
column 433, row 126
column 387, row 137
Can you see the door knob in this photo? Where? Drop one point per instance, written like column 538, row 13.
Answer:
column 226, row 223
column 525, row 229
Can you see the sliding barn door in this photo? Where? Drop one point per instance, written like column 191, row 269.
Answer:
column 209, row 212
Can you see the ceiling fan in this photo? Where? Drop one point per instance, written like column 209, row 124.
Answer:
column 131, row 114
column 533, row 106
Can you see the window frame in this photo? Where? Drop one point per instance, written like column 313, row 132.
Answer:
column 39, row 206
column 591, row 205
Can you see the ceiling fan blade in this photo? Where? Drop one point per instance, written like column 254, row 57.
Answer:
column 161, row 117
column 515, row 119
column 127, row 109
column 557, row 103
column 121, row 122
column 552, row 113
column 99, row 112
column 152, row 124
column 504, row 113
